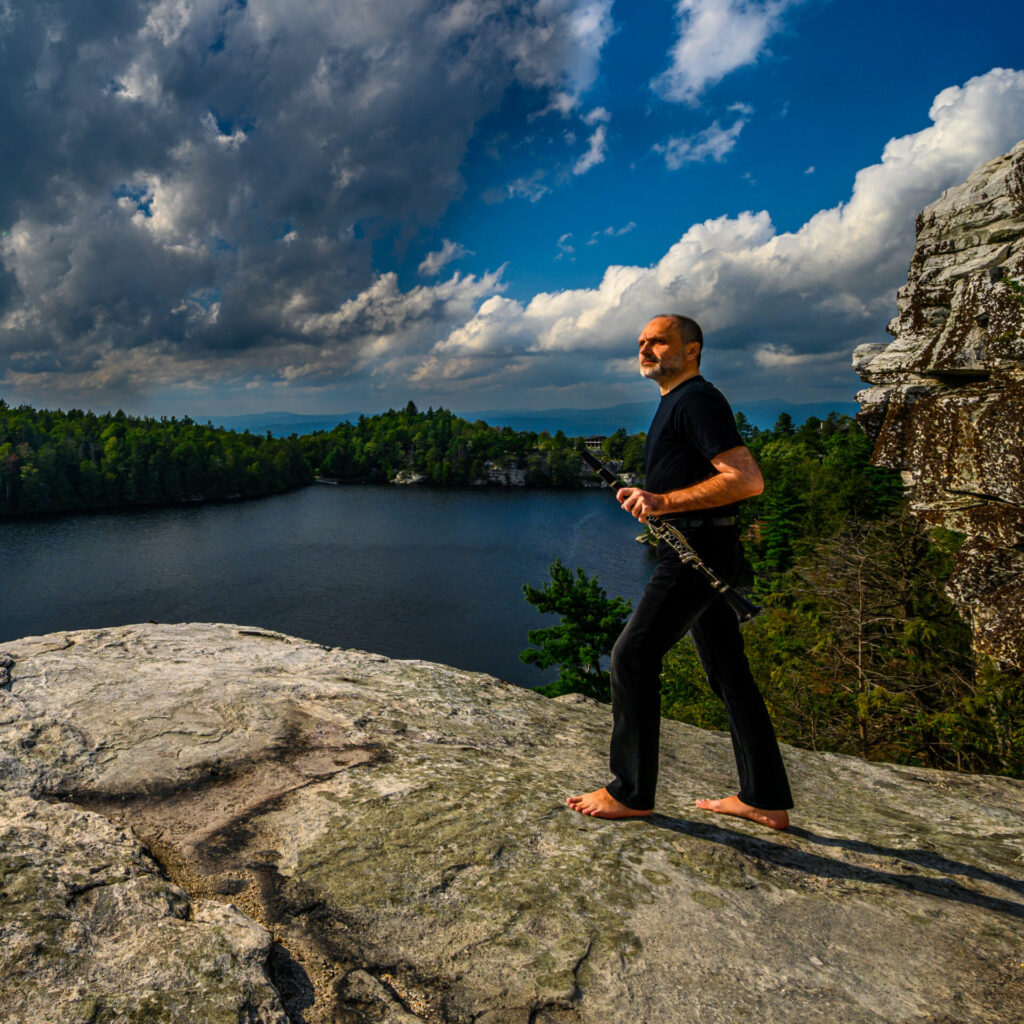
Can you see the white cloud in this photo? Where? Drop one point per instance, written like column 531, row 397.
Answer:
column 558, row 49
column 590, row 26
column 559, row 103
column 382, row 333
column 612, row 232
column 810, row 170
column 229, row 140
column 596, row 116
column 566, row 249
column 532, row 187
column 595, row 153
column 776, row 307
column 774, row 355
column 712, row 143
column 450, row 251
column 384, row 307
column 716, row 37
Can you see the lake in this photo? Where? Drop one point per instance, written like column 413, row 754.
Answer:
column 408, row 572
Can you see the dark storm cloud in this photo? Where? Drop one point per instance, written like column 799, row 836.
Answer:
column 189, row 185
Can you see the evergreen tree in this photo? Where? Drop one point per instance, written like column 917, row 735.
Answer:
column 784, row 425
column 76, row 461
column 859, row 649
column 614, row 446
column 685, row 694
column 590, row 625
column 746, row 429
column 633, row 454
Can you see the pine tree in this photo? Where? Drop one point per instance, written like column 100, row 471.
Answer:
column 591, row 622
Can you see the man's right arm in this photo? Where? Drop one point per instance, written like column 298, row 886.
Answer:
column 737, row 477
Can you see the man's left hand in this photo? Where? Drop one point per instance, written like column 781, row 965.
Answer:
column 640, row 503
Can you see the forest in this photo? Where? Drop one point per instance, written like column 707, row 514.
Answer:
column 53, row 461
column 449, row 451
column 75, row 461
column 858, row 650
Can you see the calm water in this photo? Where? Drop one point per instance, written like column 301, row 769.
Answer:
column 408, row 572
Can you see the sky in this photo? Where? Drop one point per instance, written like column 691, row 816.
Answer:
column 214, row 207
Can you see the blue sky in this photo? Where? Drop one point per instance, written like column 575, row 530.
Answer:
column 320, row 206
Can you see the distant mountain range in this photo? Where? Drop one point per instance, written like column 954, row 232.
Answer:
column 634, row 416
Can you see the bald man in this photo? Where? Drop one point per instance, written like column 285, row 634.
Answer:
column 697, row 471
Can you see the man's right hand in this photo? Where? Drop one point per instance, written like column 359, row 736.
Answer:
column 640, row 503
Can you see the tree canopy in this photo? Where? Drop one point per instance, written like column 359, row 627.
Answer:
column 859, row 650
column 450, row 451
column 52, row 461
column 589, row 626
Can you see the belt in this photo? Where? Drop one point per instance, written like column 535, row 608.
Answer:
column 692, row 522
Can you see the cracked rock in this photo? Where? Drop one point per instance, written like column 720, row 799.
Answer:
column 90, row 930
column 946, row 405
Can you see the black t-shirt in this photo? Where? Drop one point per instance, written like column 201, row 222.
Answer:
column 693, row 424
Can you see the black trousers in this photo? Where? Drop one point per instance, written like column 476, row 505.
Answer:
column 679, row 599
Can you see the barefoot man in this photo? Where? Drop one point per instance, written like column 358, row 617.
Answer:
column 698, row 469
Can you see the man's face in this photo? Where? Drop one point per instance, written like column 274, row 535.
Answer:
column 662, row 353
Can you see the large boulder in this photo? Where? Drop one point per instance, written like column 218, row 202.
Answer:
column 208, row 822
column 946, row 405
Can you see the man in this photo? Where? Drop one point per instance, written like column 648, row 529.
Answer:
column 698, row 469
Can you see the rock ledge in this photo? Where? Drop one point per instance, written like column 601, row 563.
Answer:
column 216, row 823
column 946, row 402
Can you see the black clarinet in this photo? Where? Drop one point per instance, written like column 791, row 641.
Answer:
column 745, row 610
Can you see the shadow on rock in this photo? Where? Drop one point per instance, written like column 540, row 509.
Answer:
column 782, row 855
column 292, row 983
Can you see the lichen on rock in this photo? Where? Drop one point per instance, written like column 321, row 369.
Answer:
column 946, row 402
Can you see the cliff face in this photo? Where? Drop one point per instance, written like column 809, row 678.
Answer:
column 211, row 823
column 946, row 403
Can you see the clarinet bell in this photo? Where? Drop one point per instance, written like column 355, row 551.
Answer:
column 745, row 610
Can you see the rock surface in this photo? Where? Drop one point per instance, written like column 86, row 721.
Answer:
column 91, row 931
column 330, row 835
column 947, row 399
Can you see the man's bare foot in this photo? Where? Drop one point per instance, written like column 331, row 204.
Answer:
column 734, row 805
column 601, row 804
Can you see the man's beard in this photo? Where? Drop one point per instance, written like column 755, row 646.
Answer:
column 662, row 368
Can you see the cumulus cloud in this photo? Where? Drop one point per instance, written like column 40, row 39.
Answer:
column 386, row 324
column 434, row 262
column 712, row 143
column 776, row 307
column 190, row 176
column 716, row 37
column 175, row 215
